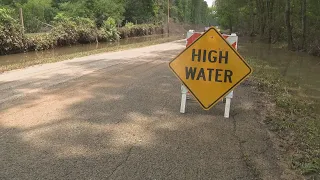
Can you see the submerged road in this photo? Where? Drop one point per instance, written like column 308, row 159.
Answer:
column 116, row 116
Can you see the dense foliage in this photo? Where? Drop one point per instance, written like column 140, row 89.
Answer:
column 293, row 21
column 132, row 30
column 50, row 23
column 39, row 14
column 11, row 35
column 65, row 31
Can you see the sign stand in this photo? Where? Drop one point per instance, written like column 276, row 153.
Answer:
column 233, row 40
column 184, row 92
column 228, row 104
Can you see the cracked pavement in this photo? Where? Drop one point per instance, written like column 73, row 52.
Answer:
column 116, row 116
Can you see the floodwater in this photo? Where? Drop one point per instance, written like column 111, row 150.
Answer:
column 298, row 68
column 8, row 60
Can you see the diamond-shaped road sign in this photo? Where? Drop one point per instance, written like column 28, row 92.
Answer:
column 210, row 68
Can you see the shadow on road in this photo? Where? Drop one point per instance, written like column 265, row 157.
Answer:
column 123, row 122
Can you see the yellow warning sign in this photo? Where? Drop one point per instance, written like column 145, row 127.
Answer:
column 210, row 68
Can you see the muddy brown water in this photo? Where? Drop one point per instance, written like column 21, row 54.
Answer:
column 7, row 60
column 298, row 67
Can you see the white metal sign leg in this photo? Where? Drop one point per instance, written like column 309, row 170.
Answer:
column 228, row 104
column 184, row 91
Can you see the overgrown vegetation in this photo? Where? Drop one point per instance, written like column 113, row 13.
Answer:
column 293, row 21
column 66, row 22
column 66, row 31
column 295, row 117
column 11, row 35
column 131, row 30
column 39, row 13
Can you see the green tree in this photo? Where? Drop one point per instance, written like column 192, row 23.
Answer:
column 293, row 21
column 141, row 11
column 11, row 35
column 40, row 13
column 36, row 14
column 100, row 10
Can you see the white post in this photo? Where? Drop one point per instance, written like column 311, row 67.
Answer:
column 184, row 91
column 228, row 104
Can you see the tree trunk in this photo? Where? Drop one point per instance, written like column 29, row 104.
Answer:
column 288, row 24
column 270, row 4
column 230, row 24
column 304, row 23
column 252, row 14
column 262, row 16
column 276, row 26
column 21, row 19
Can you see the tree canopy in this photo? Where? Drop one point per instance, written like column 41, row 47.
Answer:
column 294, row 21
column 39, row 12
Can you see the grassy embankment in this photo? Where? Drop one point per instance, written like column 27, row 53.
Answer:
column 293, row 116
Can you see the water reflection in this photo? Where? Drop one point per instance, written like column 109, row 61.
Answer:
column 298, row 67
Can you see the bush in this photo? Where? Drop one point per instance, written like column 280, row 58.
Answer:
column 11, row 33
column 40, row 42
column 130, row 30
column 87, row 30
column 69, row 31
column 109, row 30
column 129, row 25
column 66, row 31
column 36, row 12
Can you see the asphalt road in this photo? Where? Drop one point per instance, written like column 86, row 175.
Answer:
column 116, row 116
